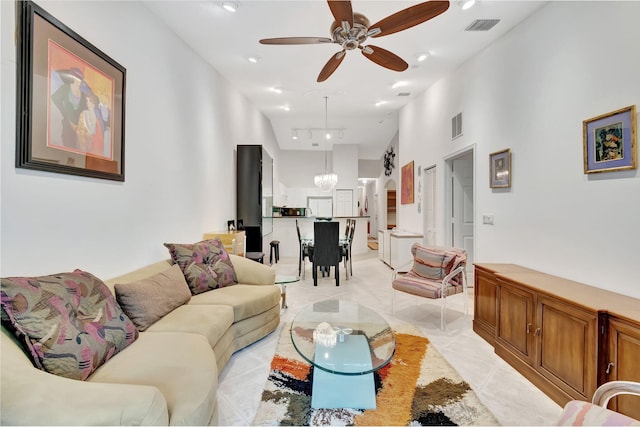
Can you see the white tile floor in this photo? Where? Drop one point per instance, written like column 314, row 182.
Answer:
column 512, row 398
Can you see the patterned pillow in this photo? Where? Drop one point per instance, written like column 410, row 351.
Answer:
column 205, row 265
column 432, row 263
column 69, row 323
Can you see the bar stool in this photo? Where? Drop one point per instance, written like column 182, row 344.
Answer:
column 275, row 247
column 256, row 256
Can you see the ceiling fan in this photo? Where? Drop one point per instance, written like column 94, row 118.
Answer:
column 351, row 29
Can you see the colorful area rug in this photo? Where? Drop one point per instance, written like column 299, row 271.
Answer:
column 418, row 387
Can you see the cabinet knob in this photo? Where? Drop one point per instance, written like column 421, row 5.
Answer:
column 609, row 367
column 537, row 332
column 528, row 328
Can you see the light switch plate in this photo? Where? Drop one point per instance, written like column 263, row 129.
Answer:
column 487, row 219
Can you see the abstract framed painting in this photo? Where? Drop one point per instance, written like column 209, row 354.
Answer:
column 71, row 100
column 406, row 184
column 609, row 141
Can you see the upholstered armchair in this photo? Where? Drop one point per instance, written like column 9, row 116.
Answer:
column 595, row 413
column 434, row 273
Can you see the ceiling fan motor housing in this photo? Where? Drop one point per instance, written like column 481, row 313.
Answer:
column 351, row 38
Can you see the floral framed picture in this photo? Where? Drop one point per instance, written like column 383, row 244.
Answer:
column 500, row 169
column 609, row 141
column 71, row 100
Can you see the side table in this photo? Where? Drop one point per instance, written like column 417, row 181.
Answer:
column 283, row 281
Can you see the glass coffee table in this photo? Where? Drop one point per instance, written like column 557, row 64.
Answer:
column 346, row 343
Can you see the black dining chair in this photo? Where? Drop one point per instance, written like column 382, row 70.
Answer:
column 304, row 252
column 327, row 251
column 346, row 248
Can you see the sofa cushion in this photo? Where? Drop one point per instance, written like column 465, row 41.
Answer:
column 148, row 300
column 182, row 366
column 205, row 265
column 210, row 321
column 246, row 300
column 69, row 323
column 432, row 263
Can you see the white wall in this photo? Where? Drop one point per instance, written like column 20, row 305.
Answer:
column 182, row 123
column 530, row 92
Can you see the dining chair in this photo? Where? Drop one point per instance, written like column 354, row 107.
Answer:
column 346, row 248
column 327, row 251
column 304, row 253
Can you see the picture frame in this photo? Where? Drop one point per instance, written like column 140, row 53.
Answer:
column 500, row 169
column 406, row 184
column 70, row 100
column 609, row 141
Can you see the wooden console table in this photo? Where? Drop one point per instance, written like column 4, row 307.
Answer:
column 233, row 241
column 566, row 337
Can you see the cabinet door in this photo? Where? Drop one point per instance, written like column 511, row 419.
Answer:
column 515, row 320
column 567, row 346
column 484, row 305
column 624, row 360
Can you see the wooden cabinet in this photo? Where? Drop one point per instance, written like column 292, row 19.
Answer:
column 623, row 362
column 566, row 337
column 233, row 241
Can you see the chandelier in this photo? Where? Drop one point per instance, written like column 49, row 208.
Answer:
column 326, row 181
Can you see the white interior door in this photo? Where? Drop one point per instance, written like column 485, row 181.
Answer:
column 430, row 206
column 462, row 206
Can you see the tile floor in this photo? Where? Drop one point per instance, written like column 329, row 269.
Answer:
column 512, row 398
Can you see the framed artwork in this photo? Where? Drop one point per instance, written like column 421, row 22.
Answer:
column 500, row 169
column 71, row 100
column 406, row 190
column 609, row 141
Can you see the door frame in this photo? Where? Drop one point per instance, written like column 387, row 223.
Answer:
column 448, row 192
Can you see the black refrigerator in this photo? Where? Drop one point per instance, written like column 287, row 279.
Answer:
column 254, row 195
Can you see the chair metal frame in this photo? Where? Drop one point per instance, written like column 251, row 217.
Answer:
column 461, row 269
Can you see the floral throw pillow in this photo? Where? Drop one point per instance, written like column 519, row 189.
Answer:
column 69, row 323
column 206, row 265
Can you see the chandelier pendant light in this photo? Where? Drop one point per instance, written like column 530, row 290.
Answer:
column 326, row 181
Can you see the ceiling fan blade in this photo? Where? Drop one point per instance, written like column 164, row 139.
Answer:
column 297, row 40
column 342, row 11
column 331, row 65
column 409, row 17
column 384, row 58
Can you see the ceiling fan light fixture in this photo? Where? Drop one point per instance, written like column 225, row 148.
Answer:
column 230, row 6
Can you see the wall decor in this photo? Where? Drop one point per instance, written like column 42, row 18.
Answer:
column 389, row 157
column 500, row 169
column 406, row 193
column 70, row 100
column 609, row 141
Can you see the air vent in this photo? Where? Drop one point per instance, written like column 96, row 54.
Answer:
column 404, row 94
column 482, row 25
column 456, row 126
column 315, row 144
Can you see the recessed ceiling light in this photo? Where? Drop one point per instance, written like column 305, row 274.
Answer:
column 253, row 59
column 275, row 90
column 285, row 108
column 399, row 84
column 379, row 103
column 422, row 56
column 467, row 4
column 230, row 6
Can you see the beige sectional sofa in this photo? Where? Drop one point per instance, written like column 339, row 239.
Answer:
column 167, row 376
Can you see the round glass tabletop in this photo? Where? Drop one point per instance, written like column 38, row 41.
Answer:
column 282, row 279
column 343, row 337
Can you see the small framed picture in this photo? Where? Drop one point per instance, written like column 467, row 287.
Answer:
column 609, row 141
column 500, row 169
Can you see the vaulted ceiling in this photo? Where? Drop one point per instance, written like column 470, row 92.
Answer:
column 363, row 98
